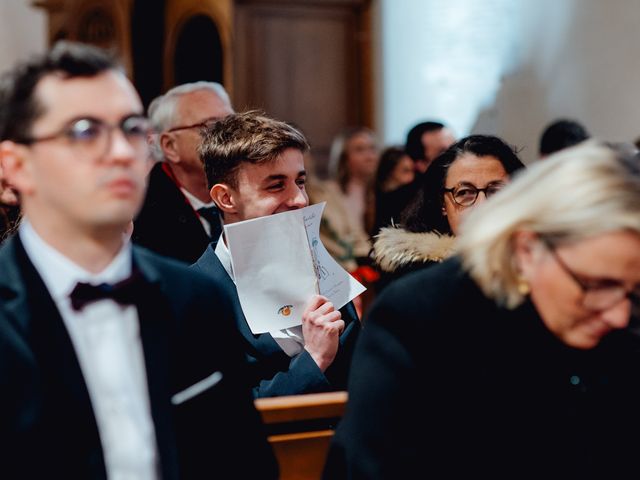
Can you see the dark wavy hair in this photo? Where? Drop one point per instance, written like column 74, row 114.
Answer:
column 424, row 214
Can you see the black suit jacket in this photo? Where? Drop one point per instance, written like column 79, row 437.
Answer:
column 447, row 384
column 167, row 224
column 47, row 425
column 274, row 373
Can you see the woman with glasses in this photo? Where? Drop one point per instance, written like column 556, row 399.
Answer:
column 462, row 177
column 502, row 362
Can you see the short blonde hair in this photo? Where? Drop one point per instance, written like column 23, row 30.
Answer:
column 578, row 193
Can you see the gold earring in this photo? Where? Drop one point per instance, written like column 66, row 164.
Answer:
column 523, row 286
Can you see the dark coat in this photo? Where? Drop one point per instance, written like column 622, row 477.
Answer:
column 391, row 205
column 47, row 425
column 446, row 384
column 167, row 224
column 274, row 372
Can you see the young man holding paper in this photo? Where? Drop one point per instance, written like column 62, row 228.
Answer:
column 255, row 167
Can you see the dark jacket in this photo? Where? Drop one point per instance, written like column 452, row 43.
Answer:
column 446, row 384
column 47, row 425
column 391, row 205
column 167, row 224
column 274, row 373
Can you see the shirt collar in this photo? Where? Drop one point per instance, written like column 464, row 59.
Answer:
column 60, row 274
column 195, row 202
column 224, row 255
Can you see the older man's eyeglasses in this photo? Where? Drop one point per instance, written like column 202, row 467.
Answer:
column 466, row 194
column 92, row 137
column 208, row 123
column 600, row 294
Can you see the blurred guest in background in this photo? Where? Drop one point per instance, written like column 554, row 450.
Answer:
column 347, row 222
column 425, row 141
column 561, row 134
column 461, row 178
column 352, row 164
column 394, row 186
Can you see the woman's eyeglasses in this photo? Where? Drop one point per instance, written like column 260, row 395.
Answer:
column 466, row 195
column 598, row 295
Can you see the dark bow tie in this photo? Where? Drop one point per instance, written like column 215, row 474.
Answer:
column 125, row 292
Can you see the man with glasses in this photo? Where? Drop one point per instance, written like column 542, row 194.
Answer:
column 110, row 365
column 178, row 218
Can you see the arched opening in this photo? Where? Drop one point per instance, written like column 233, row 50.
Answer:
column 198, row 53
column 147, row 33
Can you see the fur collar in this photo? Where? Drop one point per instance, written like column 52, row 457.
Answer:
column 395, row 248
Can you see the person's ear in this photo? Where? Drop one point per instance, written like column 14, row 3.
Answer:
column 169, row 147
column 444, row 212
column 526, row 251
column 16, row 169
column 224, row 197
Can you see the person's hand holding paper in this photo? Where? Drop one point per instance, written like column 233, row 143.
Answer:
column 279, row 263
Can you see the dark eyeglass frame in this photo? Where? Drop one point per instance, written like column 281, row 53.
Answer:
column 67, row 131
column 633, row 295
column 489, row 187
column 201, row 125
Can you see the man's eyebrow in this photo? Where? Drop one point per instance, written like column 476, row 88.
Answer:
column 282, row 176
column 275, row 176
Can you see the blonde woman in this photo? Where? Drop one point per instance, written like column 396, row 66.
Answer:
column 501, row 362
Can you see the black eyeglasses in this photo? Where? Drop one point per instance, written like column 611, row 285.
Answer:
column 200, row 125
column 466, row 194
column 598, row 295
column 92, row 137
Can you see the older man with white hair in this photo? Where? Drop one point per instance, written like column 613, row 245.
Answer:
column 178, row 218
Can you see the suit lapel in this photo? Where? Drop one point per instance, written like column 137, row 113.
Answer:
column 33, row 312
column 170, row 196
column 209, row 263
column 155, row 333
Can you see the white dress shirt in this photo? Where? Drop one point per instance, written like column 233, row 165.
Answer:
column 197, row 204
column 106, row 339
column 290, row 339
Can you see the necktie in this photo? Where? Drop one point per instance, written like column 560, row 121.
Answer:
column 212, row 215
column 125, row 292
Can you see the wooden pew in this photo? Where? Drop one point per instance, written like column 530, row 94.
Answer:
column 300, row 428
